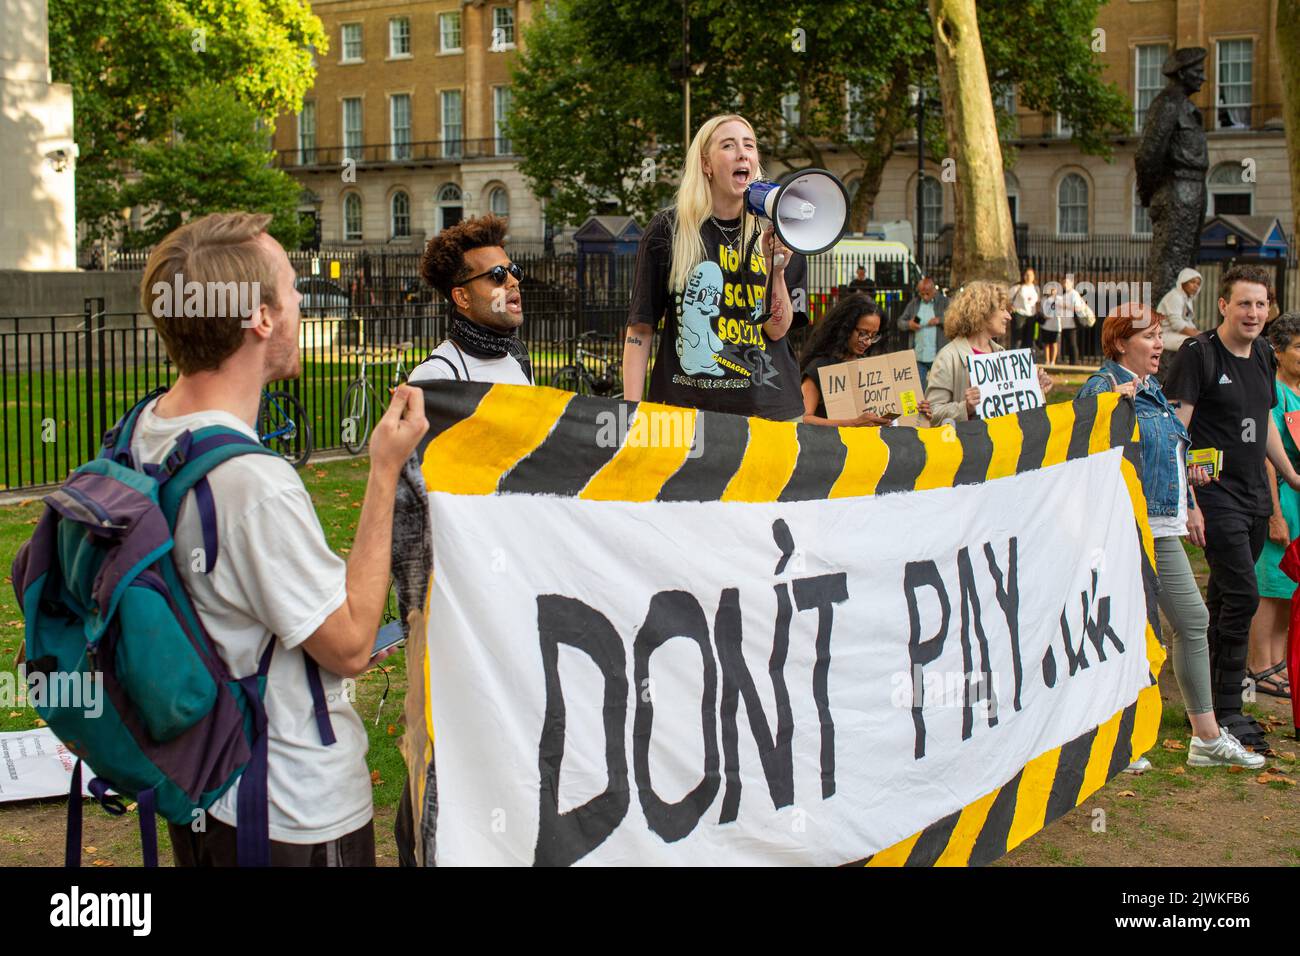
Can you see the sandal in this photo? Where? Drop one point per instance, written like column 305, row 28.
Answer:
column 1266, row 683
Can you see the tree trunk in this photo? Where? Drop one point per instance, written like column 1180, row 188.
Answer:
column 1288, row 40
column 983, row 242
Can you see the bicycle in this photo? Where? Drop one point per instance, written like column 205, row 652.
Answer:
column 577, row 377
column 282, row 426
column 361, row 399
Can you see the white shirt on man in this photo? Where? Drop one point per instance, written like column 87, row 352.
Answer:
column 274, row 578
column 454, row 363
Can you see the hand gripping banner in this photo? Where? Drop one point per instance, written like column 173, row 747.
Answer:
column 656, row 636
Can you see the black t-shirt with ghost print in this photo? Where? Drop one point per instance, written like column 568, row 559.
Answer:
column 713, row 353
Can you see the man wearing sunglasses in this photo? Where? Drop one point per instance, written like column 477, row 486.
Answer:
column 469, row 266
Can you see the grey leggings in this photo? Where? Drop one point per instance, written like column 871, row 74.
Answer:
column 1180, row 599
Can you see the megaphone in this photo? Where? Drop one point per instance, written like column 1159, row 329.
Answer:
column 808, row 207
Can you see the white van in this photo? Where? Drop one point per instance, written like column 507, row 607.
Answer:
column 888, row 263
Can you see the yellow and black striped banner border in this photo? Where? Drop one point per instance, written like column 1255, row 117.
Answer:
column 512, row 439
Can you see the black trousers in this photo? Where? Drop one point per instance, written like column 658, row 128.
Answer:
column 1023, row 331
column 1069, row 347
column 1233, row 542
column 216, row 846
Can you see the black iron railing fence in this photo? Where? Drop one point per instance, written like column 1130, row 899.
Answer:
column 66, row 378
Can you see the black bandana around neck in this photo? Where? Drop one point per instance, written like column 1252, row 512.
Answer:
column 487, row 343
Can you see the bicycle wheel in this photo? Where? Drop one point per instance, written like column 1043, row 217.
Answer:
column 356, row 417
column 282, row 426
column 573, row 378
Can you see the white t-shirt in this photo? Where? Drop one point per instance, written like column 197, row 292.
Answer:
column 504, row 369
column 1174, row 526
column 1178, row 326
column 1024, row 299
column 274, row 574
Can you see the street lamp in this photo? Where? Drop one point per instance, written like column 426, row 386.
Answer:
column 916, row 94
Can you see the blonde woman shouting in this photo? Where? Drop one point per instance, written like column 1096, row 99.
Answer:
column 702, row 269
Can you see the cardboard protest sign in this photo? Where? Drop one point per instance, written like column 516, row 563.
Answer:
column 771, row 653
column 884, row 384
column 1007, row 380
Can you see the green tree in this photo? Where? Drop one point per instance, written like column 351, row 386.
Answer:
column 131, row 63
column 216, row 160
column 852, row 65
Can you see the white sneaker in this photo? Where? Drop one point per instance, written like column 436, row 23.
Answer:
column 1224, row 751
column 1141, row 765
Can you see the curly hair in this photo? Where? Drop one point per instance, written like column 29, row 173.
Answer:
column 830, row 336
column 1283, row 330
column 971, row 307
column 443, row 262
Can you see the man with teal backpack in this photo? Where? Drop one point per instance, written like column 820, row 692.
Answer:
column 185, row 569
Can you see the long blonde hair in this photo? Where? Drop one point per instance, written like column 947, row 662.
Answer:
column 695, row 204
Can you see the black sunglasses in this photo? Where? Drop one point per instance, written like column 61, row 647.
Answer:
column 498, row 274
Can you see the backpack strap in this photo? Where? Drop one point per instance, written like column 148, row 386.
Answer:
column 252, row 802
column 186, row 468
column 116, row 443
column 447, row 362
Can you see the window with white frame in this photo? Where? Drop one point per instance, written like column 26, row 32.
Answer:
column 1063, row 128
column 1004, row 98
column 351, row 43
column 1230, row 194
column 931, row 206
column 501, row 99
column 1234, row 84
column 1148, row 81
column 307, row 133
column 1141, row 215
column 499, row 202
column 399, row 36
column 352, row 217
column 449, row 32
column 352, row 128
column 400, row 226
column 399, row 110
column 1072, row 206
column 453, row 128
column 503, row 28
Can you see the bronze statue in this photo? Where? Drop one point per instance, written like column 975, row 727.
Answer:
column 1171, row 163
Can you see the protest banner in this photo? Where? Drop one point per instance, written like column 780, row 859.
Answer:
column 1007, row 380
column 884, row 384
column 805, row 645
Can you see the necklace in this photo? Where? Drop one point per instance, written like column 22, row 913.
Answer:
column 730, row 239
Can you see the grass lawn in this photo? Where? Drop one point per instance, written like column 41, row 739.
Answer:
column 1171, row 816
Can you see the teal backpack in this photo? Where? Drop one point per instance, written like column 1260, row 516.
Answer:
column 104, row 604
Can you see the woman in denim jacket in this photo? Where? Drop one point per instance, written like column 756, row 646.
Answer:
column 1131, row 342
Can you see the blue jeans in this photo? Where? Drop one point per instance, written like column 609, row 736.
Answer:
column 925, row 372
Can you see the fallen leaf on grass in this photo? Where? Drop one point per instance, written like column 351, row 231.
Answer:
column 343, row 494
column 13, row 623
column 15, row 713
column 1179, row 770
column 131, row 807
column 102, row 863
column 1271, row 777
column 320, row 474
column 1236, row 770
column 356, row 504
column 392, row 729
column 92, row 849
column 1174, row 745
column 1286, row 755
column 375, row 779
column 345, row 550
column 1127, row 793
column 39, row 722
